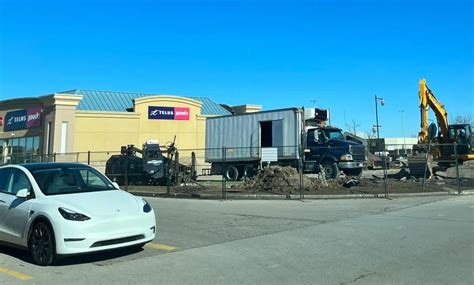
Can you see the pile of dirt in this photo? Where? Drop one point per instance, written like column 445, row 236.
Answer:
column 277, row 179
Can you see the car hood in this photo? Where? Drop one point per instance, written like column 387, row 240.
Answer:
column 100, row 203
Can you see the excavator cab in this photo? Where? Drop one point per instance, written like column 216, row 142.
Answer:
column 461, row 134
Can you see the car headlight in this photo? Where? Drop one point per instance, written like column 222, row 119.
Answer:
column 346, row 157
column 71, row 215
column 146, row 207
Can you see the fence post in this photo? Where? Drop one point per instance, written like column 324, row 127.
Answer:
column 457, row 167
column 89, row 157
column 54, row 157
column 224, row 168
column 193, row 166
column 177, row 169
column 426, row 167
column 385, row 161
column 301, row 168
column 168, row 173
column 126, row 174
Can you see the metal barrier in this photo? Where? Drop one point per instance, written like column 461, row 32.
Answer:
column 232, row 171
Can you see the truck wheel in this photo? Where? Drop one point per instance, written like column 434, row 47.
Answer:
column 331, row 169
column 231, row 173
column 353, row 171
column 249, row 171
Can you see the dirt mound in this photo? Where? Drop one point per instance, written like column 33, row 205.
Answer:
column 277, row 179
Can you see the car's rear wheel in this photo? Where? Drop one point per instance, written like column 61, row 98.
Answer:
column 232, row 173
column 42, row 247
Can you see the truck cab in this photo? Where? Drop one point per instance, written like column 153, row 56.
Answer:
column 326, row 146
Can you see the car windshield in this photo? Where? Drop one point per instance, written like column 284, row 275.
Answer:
column 69, row 180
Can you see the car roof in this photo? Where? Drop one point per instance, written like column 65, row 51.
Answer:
column 50, row 165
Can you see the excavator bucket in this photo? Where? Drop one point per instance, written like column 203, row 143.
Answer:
column 421, row 165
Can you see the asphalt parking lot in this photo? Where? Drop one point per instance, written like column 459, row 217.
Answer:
column 406, row 240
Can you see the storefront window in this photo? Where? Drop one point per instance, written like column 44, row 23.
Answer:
column 36, row 142
column 23, row 150
column 29, row 144
column 22, row 146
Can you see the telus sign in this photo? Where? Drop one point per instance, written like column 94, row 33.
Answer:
column 22, row 119
column 168, row 113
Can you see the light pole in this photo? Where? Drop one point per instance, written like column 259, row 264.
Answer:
column 382, row 102
column 385, row 154
column 403, row 132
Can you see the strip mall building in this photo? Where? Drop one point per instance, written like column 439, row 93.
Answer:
column 101, row 121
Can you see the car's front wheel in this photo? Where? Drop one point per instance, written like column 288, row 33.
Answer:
column 331, row 169
column 42, row 244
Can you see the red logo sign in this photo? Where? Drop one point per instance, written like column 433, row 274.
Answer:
column 181, row 113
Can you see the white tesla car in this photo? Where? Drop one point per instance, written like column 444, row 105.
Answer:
column 64, row 208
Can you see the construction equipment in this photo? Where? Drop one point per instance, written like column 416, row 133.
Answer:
column 443, row 143
column 157, row 165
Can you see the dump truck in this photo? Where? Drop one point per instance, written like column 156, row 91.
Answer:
column 298, row 137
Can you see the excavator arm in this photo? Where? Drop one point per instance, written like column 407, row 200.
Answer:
column 428, row 100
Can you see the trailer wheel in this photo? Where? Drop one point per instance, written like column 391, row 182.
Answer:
column 331, row 169
column 249, row 171
column 231, row 173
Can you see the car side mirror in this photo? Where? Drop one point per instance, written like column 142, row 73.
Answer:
column 23, row 193
column 116, row 185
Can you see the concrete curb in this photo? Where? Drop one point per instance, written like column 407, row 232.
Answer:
column 230, row 196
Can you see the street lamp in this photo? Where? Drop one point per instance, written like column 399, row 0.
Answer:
column 403, row 132
column 377, row 126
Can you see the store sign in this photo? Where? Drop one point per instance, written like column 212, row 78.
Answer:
column 22, row 119
column 168, row 113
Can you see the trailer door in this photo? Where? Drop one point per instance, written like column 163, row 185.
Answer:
column 266, row 134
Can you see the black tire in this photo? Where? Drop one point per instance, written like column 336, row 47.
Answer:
column 231, row 173
column 331, row 169
column 353, row 172
column 249, row 171
column 42, row 245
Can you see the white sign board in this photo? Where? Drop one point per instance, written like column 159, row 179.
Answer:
column 269, row 154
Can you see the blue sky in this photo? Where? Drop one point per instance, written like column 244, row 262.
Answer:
column 273, row 53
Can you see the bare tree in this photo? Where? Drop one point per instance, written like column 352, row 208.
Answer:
column 371, row 134
column 465, row 119
column 353, row 127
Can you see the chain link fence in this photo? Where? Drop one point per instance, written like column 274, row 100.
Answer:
column 298, row 173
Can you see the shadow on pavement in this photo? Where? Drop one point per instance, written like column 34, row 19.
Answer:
column 24, row 255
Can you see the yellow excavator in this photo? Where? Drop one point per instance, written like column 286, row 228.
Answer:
column 445, row 143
